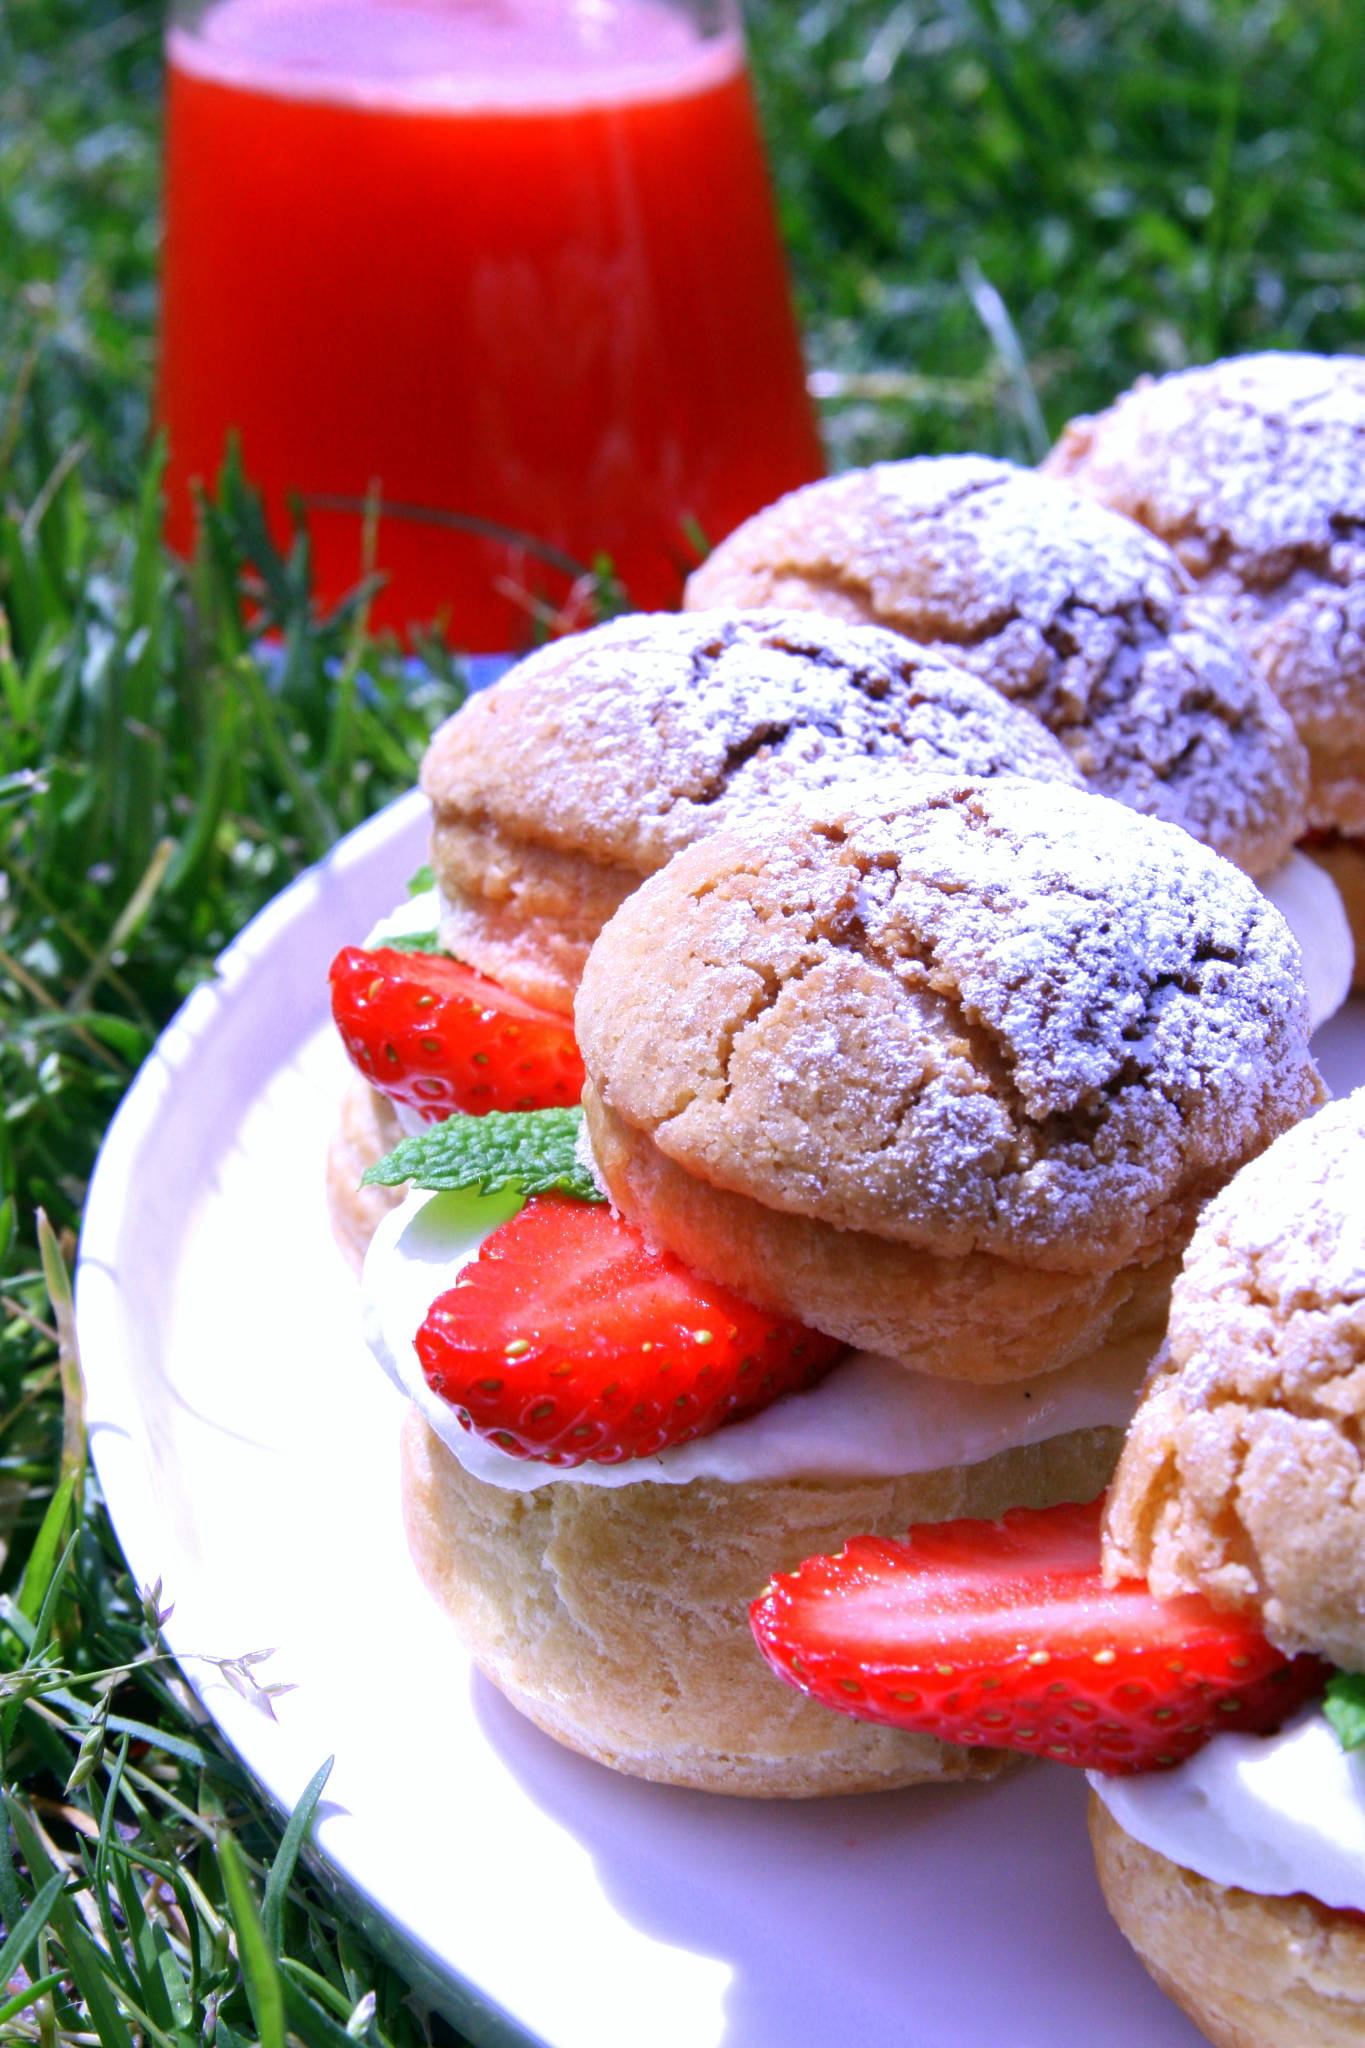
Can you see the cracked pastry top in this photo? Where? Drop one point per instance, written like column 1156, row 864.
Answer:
column 1071, row 611
column 950, row 1078
column 1243, row 1476
column 592, row 763
column 1253, row 470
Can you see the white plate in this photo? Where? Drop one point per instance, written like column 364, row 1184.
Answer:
column 247, row 1448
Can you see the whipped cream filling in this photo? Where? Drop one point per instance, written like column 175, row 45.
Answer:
column 1310, row 903
column 869, row 1418
column 410, row 919
column 1274, row 1814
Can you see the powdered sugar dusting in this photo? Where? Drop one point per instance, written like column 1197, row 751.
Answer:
column 1068, row 609
column 630, row 741
column 1011, row 1017
column 1098, row 951
column 1244, row 464
column 998, row 543
column 1254, row 471
column 1290, row 1231
column 1243, row 1476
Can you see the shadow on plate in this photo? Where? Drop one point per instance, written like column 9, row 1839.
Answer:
column 964, row 1915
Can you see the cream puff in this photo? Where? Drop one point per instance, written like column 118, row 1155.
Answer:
column 869, row 1069
column 1240, row 1877
column 1072, row 612
column 949, row 1081
column 1253, row 470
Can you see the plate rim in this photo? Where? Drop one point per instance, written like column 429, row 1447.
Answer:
column 102, row 1335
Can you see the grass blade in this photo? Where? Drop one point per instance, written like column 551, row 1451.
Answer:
column 318, row 823
column 86, row 1961
column 42, row 1627
column 23, row 1999
column 26, row 1932
column 282, row 1869
column 73, row 1384
column 47, row 1548
column 314, row 2027
column 105, row 1843
column 258, row 1964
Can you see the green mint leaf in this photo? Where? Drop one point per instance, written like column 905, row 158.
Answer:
column 1344, row 1707
column 415, row 942
column 530, row 1149
column 421, row 882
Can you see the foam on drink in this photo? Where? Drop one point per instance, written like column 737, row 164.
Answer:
column 420, row 54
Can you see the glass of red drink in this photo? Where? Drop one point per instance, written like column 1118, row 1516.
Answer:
column 509, row 265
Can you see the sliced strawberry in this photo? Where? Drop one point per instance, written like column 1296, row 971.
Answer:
column 432, row 1033
column 568, row 1339
column 1003, row 1634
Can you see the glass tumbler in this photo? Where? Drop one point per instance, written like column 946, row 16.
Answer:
column 508, row 267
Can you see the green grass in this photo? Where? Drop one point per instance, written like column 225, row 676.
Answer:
column 1117, row 187
column 999, row 211
column 156, row 787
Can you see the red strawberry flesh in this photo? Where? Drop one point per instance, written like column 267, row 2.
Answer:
column 431, row 1033
column 1003, row 1634
column 569, row 1339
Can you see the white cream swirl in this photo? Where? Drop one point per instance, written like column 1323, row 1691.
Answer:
column 1273, row 1814
column 869, row 1418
